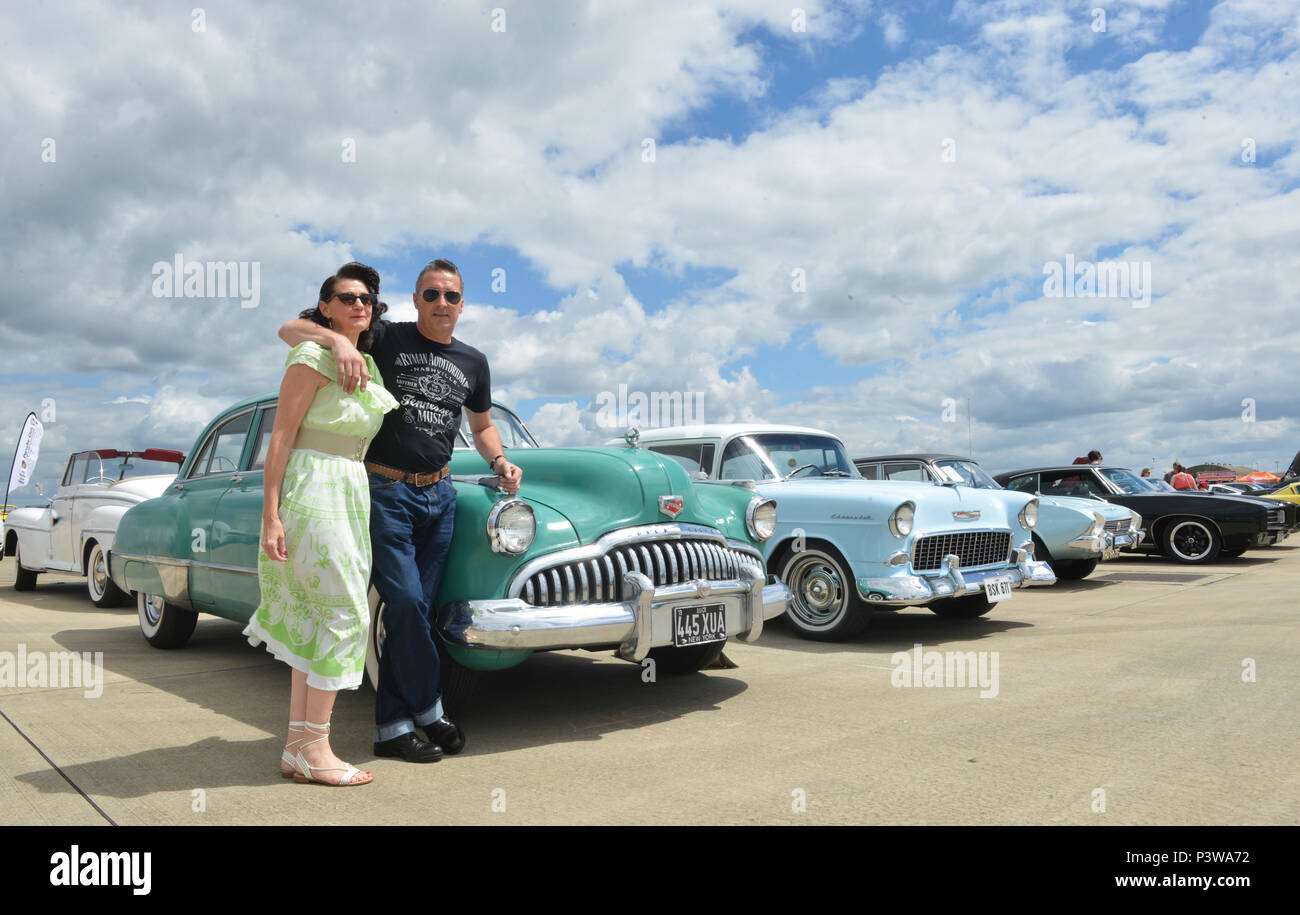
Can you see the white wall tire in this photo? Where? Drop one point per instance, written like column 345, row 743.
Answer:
column 103, row 591
column 164, row 624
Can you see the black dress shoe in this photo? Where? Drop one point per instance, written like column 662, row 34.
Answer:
column 446, row 735
column 410, row 748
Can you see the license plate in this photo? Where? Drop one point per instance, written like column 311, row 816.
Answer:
column 1112, row 553
column 697, row 625
column 996, row 589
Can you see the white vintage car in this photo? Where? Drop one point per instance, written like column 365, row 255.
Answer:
column 74, row 532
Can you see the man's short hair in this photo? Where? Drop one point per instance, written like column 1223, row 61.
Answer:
column 1094, row 455
column 440, row 265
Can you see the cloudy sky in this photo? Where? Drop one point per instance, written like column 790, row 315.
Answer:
column 842, row 214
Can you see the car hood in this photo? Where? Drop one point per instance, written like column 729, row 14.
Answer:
column 851, row 499
column 1108, row 510
column 598, row 490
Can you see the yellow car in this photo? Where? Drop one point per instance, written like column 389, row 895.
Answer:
column 1288, row 493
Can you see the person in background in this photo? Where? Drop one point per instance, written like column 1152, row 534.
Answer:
column 1094, row 457
column 1146, row 472
column 1182, row 479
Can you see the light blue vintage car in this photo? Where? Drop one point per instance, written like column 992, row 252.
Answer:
column 1072, row 534
column 846, row 546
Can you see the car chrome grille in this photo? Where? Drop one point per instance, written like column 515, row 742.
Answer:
column 1277, row 516
column 664, row 562
column 972, row 548
column 1117, row 527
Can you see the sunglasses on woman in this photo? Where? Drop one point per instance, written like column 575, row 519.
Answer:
column 451, row 295
column 347, row 298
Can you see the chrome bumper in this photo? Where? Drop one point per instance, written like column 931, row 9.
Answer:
column 950, row 581
column 641, row 621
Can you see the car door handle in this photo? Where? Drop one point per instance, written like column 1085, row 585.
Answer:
column 180, row 487
column 237, row 479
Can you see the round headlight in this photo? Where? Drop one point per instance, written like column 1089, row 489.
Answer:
column 511, row 526
column 900, row 519
column 1029, row 514
column 760, row 518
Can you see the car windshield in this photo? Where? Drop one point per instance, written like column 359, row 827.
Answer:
column 1125, row 480
column 777, row 455
column 514, row 434
column 967, row 473
column 100, row 469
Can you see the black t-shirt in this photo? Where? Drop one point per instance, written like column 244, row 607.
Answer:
column 431, row 382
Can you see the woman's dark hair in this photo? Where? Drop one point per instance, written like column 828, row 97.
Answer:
column 349, row 271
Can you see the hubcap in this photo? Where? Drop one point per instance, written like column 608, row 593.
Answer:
column 1190, row 540
column 98, row 572
column 817, row 589
column 153, row 608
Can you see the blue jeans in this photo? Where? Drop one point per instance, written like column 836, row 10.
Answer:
column 410, row 535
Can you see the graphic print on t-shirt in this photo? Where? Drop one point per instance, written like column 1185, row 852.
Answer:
column 431, row 389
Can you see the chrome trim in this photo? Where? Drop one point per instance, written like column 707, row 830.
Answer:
column 893, row 519
column 754, row 505
column 898, row 559
column 640, row 621
column 493, row 535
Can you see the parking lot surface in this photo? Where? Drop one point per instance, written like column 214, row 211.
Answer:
column 1149, row 693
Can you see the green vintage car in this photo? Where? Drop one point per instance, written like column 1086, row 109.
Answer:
column 603, row 549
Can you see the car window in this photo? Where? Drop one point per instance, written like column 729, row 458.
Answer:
column 224, row 447
column 694, row 457
column 1027, row 483
column 1125, row 481
column 1070, row 483
column 514, row 434
column 78, row 467
column 910, row 471
column 265, row 425
column 869, row 471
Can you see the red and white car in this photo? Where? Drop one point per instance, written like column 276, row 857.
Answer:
column 74, row 532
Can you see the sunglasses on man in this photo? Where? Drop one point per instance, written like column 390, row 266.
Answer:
column 347, row 298
column 451, row 295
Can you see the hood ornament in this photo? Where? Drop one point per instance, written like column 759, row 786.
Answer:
column 966, row 516
column 632, row 436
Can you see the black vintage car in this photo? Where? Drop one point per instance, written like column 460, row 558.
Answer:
column 1186, row 527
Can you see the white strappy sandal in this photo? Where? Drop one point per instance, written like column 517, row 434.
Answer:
column 287, row 757
column 306, row 771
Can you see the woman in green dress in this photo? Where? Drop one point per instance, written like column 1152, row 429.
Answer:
column 314, row 568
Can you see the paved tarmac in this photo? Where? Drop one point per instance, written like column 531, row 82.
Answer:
column 1117, row 702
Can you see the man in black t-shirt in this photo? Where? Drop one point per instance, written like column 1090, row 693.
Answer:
column 412, row 502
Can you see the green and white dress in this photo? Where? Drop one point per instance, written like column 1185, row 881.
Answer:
column 314, row 613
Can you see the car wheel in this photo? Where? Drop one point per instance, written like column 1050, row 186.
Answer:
column 458, row 681
column 823, row 602
column 104, row 592
column 24, row 579
column 1073, row 569
column 1191, row 541
column 670, row 659
column 962, row 608
column 1233, row 553
column 164, row 624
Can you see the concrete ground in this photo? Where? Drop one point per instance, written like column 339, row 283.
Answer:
column 1118, row 702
